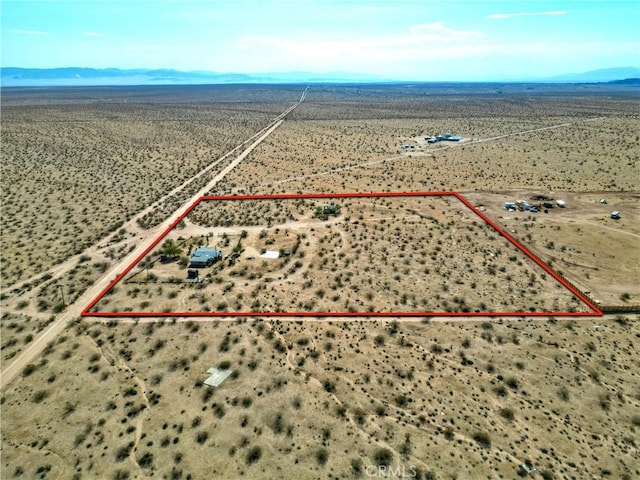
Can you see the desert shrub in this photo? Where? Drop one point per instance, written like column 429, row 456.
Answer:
column 512, row 383
column 483, row 439
column 405, row 447
column 59, row 307
column 359, row 416
column 563, row 393
column 383, row 457
column 202, row 437
column 121, row 475
column 253, row 455
column 146, row 460
column 501, row 391
column 329, row 386
column 122, row 453
column 449, row 433
column 356, row 467
column 40, row 395
column 507, row 414
column 218, row 410
column 322, row 456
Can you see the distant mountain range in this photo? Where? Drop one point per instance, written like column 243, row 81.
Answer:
column 596, row 76
column 74, row 76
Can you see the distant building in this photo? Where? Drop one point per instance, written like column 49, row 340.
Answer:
column 615, row 215
column 204, row 257
column 561, row 203
column 443, row 137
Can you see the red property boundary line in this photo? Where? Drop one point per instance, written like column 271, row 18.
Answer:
column 595, row 310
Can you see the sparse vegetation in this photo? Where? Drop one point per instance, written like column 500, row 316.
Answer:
column 334, row 398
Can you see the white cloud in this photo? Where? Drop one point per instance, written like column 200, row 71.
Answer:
column 441, row 28
column 419, row 40
column 500, row 16
column 28, row 32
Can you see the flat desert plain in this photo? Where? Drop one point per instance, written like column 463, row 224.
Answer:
column 91, row 177
column 428, row 253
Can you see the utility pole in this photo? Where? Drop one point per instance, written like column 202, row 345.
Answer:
column 62, row 294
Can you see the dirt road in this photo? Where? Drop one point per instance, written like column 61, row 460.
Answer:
column 31, row 351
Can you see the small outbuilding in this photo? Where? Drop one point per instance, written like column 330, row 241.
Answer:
column 561, row 203
column 615, row 215
column 192, row 274
column 216, row 376
column 204, row 257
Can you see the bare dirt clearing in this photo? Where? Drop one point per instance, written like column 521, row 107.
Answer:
column 599, row 254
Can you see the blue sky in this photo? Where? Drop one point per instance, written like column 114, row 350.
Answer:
column 400, row 39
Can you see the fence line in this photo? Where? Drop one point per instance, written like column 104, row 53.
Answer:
column 620, row 309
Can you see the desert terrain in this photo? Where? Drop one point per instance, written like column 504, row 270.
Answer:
column 92, row 176
column 371, row 254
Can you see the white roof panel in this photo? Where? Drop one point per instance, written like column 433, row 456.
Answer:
column 217, row 377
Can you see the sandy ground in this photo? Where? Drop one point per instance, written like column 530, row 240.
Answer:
column 73, row 311
column 339, row 398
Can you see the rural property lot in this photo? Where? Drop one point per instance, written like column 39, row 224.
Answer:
column 406, row 254
column 93, row 176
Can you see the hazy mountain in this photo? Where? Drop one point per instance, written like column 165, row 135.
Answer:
column 75, row 76
column 595, row 76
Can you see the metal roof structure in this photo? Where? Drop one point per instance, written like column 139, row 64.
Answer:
column 205, row 256
column 217, row 376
